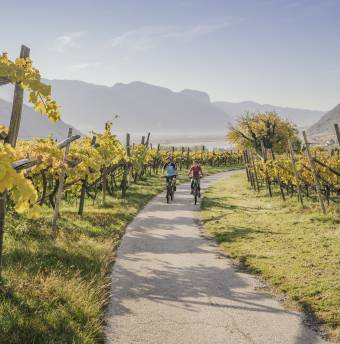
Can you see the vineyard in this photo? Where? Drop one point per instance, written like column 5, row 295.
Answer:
column 41, row 171
column 64, row 207
column 313, row 172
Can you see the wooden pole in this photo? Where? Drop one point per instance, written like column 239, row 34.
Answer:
column 296, row 174
column 264, row 155
column 314, row 173
column 18, row 100
column 84, row 185
column 278, row 179
column 182, row 157
column 11, row 139
column 246, row 166
column 60, row 189
column 3, row 197
column 126, row 167
column 147, row 140
column 188, row 157
column 252, row 181
column 337, row 131
column 104, row 184
column 254, row 169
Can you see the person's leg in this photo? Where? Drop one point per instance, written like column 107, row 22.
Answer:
column 192, row 185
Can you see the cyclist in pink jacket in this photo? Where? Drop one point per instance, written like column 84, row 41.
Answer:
column 195, row 173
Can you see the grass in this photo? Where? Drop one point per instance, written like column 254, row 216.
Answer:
column 55, row 291
column 296, row 250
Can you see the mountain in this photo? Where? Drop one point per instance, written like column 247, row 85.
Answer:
column 324, row 127
column 143, row 107
column 140, row 107
column 33, row 124
column 301, row 117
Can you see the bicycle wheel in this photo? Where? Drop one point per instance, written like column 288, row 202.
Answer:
column 195, row 193
column 167, row 194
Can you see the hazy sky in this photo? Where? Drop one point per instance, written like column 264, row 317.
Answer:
column 283, row 52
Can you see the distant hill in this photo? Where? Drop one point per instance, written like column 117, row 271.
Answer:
column 301, row 117
column 33, row 124
column 142, row 107
column 324, row 127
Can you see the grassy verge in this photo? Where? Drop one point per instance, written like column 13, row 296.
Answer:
column 56, row 291
column 295, row 250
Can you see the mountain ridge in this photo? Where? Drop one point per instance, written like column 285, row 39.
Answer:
column 324, row 127
column 143, row 107
column 33, row 124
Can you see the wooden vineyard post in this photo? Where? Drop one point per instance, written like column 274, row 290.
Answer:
column 3, row 197
column 251, row 176
column 17, row 106
column 147, row 140
column 158, row 158
column 143, row 140
column 278, row 179
column 246, row 166
column 314, row 173
column 296, row 174
column 82, row 196
column 337, row 131
column 182, row 157
column 126, row 167
column 264, row 155
column 104, row 185
column 188, row 157
column 60, row 189
column 255, row 173
column 11, row 139
column 84, row 185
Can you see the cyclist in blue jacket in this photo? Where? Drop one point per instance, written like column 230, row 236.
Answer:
column 170, row 169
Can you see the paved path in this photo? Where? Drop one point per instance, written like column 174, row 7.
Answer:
column 170, row 285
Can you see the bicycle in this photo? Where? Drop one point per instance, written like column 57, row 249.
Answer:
column 170, row 188
column 196, row 189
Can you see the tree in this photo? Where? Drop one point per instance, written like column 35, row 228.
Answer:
column 268, row 127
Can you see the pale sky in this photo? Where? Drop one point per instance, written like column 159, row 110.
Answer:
column 282, row 52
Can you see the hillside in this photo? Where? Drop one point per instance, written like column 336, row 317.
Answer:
column 142, row 107
column 301, row 117
column 324, row 127
column 33, row 124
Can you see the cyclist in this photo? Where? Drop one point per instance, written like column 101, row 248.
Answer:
column 196, row 173
column 171, row 170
